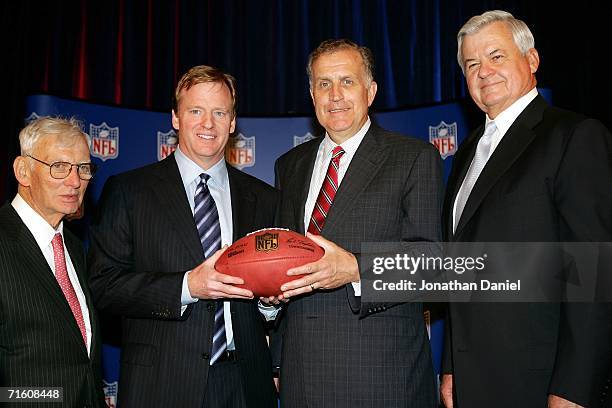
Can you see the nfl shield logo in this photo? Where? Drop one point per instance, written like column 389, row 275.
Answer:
column 104, row 141
column 166, row 144
column 240, row 151
column 298, row 140
column 110, row 393
column 266, row 242
column 33, row 116
column 444, row 137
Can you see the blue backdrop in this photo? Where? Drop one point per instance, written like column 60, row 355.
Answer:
column 123, row 139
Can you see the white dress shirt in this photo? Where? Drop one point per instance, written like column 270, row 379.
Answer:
column 503, row 121
column 218, row 185
column 319, row 172
column 43, row 235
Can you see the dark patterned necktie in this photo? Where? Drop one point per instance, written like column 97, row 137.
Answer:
column 327, row 193
column 207, row 221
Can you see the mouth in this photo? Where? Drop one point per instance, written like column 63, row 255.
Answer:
column 70, row 198
column 338, row 110
column 206, row 136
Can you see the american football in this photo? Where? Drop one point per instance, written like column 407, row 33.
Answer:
column 263, row 257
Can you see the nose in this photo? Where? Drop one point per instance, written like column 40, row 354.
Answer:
column 335, row 93
column 485, row 69
column 207, row 120
column 73, row 179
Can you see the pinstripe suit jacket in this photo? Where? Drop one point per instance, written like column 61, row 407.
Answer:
column 40, row 342
column 337, row 351
column 143, row 242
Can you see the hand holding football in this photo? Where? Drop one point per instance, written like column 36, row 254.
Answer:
column 263, row 257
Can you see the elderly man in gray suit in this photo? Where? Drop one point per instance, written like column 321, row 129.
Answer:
column 358, row 183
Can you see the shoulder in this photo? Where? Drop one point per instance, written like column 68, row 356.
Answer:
column 254, row 184
column 403, row 146
column 299, row 151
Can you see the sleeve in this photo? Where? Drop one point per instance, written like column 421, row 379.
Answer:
column 583, row 197
column 117, row 285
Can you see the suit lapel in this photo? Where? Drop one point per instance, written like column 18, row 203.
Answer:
column 36, row 264
column 301, row 181
column 243, row 204
column 363, row 168
column 514, row 143
column 170, row 192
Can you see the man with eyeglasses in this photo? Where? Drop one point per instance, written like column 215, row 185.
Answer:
column 48, row 328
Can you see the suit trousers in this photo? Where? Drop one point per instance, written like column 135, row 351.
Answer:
column 224, row 387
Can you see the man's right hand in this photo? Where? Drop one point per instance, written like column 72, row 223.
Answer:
column 446, row 390
column 205, row 282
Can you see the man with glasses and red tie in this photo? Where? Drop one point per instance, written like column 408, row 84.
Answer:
column 48, row 327
column 358, row 183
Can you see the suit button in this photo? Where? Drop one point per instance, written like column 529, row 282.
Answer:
column 210, row 307
column 205, row 356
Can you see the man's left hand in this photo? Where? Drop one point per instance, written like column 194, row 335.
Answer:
column 558, row 402
column 336, row 268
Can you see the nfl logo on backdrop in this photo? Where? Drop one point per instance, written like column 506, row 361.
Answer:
column 240, row 151
column 444, row 137
column 33, row 116
column 166, row 144
column 298, row 140
column 110, row 393
column 104, row 141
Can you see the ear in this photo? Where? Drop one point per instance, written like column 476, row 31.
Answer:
column 232, row 125
column 372, row 92
column 312, row 96
column 22, row 170
column 534, row 59
column 175, row 120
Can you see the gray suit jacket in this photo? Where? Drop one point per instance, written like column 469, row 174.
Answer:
column 40, row 341
column 337, row 351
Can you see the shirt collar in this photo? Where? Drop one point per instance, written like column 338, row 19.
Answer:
column 504, row 120
column 42, row 231
column 190, row 171
column 351, row 144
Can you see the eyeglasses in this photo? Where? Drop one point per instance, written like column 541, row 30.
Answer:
column 61, row 170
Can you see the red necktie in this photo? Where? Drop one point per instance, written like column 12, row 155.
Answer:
column 327, row 193
column 61, row 274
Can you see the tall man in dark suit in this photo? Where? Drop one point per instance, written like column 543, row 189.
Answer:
column 157, row 225
column 537, row 174
column 358, row 183
column 48, row 328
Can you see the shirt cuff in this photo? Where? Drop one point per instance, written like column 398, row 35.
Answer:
column 186, row 298
column 269, row 312
column 357, row 288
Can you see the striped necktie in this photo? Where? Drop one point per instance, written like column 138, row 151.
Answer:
column 207, row 221
column 327, row 193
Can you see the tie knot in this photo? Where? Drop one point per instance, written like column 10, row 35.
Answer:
column 337, row 152
column 204, row 178
column 57, row 242
column 490, row 129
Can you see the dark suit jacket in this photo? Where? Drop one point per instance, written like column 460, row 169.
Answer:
column 143, row 242
column 40, row 341
column 337, row 351
column 549, row 180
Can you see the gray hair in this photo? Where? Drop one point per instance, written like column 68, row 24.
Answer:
column 523, row 38
column 333, row 45
column 68, row 132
